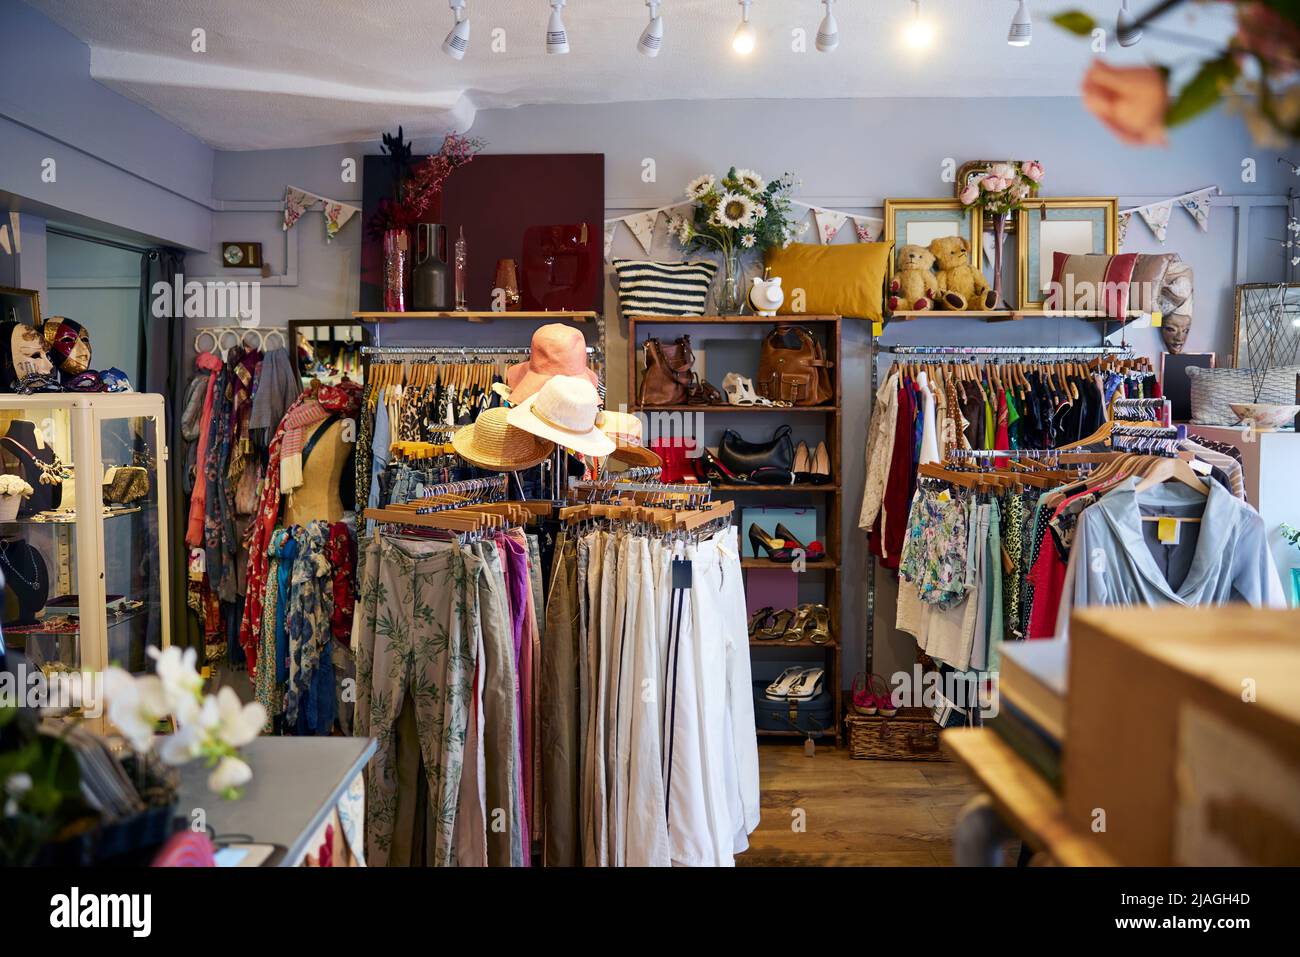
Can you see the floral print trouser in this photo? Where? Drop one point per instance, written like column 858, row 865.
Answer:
column 416, row 637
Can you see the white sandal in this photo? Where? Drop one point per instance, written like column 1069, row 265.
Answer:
column 740, row 390
column 779, row 689
column 807, row 685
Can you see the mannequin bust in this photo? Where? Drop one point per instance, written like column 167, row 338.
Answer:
column 21, row 448
column 319, row 498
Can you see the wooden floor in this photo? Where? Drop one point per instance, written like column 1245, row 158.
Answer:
column 855, row 813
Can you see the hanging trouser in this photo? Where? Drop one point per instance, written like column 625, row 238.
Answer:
column 415, row 640
column 559, row 706
column 505, row 837
column 595, row 842
column 622, row 644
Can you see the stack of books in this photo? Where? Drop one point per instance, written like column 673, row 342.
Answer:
column 1031, row 703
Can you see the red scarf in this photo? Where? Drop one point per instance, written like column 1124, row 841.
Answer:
column 344, row 399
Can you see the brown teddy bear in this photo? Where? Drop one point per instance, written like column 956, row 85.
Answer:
column 961, row 285
column 913, row 286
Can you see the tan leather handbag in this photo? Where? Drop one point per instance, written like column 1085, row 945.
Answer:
column 798, row 373
column 668, row 372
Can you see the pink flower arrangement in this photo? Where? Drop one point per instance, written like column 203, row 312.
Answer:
column 1004, row 187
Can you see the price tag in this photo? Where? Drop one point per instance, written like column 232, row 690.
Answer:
column 877, row 328
column 1157, row 318
column 1167, row 531
column 205, row 672
column 945, row 496
column 1199, row 466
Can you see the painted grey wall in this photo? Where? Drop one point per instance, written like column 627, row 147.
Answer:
column 117, row 164
column 848, row 154
column 99, row 286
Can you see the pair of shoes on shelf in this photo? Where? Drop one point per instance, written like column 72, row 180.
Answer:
column 812, row 467
column 811, row 623
column 782, row 546
column 871, row 695
column 796, row 684
column 740, row 391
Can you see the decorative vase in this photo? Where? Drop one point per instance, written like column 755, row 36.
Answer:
column 730, row 298
column 507, row 286
column 397, row 257
column 461, row 266
column 999, row 234
column 9, row 507
column 429, row 287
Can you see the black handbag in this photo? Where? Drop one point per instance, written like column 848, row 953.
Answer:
column 747, row 457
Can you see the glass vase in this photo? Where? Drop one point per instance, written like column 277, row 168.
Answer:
column 999, row 235
column 397, row 262
column 730, row 295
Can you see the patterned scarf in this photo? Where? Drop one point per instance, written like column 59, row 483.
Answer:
column 345, row 399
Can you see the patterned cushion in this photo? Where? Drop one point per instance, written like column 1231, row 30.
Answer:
column 1148, row 281
column 663, row 289
column 1213, row 391
column 1091, row 283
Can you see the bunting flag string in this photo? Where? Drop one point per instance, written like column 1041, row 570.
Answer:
column 16, row 244
column 1156, row 215
column 829, row 224
column 298, row 201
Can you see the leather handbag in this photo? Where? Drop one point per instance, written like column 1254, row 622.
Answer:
column 668, row 372
column 744, row 458
column 799, row 374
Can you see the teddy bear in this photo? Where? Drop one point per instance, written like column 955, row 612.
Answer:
column 913, row 286
column 961, row 285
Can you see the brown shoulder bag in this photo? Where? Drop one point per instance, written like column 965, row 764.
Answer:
column 799, row 374
column 668, row 372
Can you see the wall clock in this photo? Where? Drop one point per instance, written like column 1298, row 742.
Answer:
column 241, row 255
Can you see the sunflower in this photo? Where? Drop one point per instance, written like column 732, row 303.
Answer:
column 750, row 180
column 701, row 186
column 735, row 210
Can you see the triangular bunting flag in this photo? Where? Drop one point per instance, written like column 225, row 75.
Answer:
column 336, row 217
column 829, row 223
column 296, row 202
column 865, row 229
column 609, row 236
column 1198, row 204
column 4, row 240
column 643, row 227
column 1124, row 220
column 17, row 236
column 1157, row 217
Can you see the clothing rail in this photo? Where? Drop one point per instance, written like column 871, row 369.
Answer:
column 446, row 351
column 1004, row 350
column 1004, row 453
column 493, row 486
column 698, row 490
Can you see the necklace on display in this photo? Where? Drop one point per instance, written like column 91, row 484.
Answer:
column 52, row 472
column 9, row 564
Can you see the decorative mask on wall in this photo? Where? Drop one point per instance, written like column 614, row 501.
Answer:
column 1176, row 306
column 22, row 353
column 69, row 344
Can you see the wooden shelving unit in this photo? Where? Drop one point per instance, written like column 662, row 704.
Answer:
column 1007, row 315
column 475, row 316
column 826, row 498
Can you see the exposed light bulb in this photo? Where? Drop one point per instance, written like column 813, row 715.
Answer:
column 918, row 34
column 557, row 38
column 458, row 37
column 828, row 34
column 653, row 34
column 1021, row 33
column 742, row 41
column 1126, row 31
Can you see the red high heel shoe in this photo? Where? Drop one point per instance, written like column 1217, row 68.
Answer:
column 814, row 551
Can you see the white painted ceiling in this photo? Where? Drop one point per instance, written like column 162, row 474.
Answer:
column 291, row 73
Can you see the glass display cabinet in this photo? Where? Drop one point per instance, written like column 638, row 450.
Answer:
column 83, row 529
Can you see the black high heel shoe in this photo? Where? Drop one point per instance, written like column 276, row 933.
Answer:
column 773, row 547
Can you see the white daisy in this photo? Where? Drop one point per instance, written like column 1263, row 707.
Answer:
column 735, row 210
column 759, row 211
column 747, row 240
column 750, row 180
column 701, row 186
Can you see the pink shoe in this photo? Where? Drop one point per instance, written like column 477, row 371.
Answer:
column 884, row 696
column 864, row 702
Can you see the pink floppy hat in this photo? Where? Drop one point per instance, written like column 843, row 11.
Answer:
column 557, row 350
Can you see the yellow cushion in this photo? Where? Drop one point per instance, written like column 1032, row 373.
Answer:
column 846, row 279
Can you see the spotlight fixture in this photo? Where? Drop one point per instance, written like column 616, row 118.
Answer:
column 1021, row 33
column 557, row 38
column 1126, row 30
column 828, row 34
column 742, row 41
column 918, row 34
column 458, row 38
column 653, row 34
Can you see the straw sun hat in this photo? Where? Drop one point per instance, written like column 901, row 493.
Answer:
column 625, row 429
column 492, row 443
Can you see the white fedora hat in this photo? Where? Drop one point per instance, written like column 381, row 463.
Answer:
column 565, row 410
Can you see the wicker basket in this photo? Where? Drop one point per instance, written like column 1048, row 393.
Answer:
column 911, row 735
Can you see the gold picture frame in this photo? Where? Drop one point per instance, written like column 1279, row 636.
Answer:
column 1082, row 221
column 26, row 303
column 929, row 219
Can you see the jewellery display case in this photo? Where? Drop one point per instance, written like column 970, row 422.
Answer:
column 83, row 553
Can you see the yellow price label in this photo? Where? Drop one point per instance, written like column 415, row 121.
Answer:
column 1157, row 319
column 1167, row 531
column 877, row 328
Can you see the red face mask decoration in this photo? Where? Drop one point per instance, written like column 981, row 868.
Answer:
column 69, row 345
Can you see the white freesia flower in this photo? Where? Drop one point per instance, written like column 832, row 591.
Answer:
column 751, row 180
column 135, row 706
column 701, row 186
column 18, row 784
column 229, row 773
column 238, row 723
column 182, row 683
column 735, row 210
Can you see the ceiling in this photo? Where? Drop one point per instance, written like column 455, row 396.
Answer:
column 293, row 73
